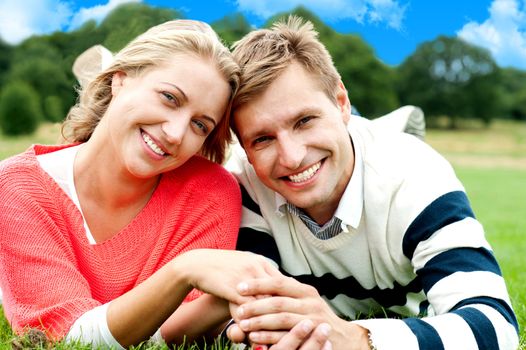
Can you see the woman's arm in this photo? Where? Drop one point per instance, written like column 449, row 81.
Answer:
column 137, row 314
column 202, row 317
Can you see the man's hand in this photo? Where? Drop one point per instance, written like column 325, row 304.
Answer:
column 303, row 336
column 271, row 320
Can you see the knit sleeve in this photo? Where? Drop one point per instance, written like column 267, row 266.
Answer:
column 40, row 280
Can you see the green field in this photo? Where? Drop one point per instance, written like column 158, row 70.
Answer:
column 490, row 162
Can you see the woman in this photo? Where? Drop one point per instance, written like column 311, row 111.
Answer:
column 102, row 239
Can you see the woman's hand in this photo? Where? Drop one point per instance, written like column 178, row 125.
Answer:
column 219, row 272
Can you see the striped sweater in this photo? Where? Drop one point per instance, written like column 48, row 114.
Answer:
column 50, row 274
column 416, row 269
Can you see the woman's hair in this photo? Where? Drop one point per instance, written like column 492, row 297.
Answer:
column 264, row 54
column 151, row 49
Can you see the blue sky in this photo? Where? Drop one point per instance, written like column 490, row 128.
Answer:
column 394, row 28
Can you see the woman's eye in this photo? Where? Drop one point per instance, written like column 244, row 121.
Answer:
column 261, row 140
column 201, row 127
column 170, row 98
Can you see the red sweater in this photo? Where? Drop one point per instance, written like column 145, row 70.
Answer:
column 49, row 273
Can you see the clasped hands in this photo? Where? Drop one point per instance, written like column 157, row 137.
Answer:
column 271, row 310
column 283, row 313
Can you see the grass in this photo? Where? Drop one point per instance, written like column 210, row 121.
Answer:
column 47, row 133
column 490, row 162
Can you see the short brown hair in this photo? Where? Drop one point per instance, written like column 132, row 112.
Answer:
column 263, row 54
column 151, row 49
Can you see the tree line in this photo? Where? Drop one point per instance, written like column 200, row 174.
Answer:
column 445, row 77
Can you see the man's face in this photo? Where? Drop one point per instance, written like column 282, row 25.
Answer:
column 296, row 139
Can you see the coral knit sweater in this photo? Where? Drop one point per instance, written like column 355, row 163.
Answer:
column 49, row 273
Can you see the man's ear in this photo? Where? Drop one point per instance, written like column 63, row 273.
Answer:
column 117, row 81
column 342, row 101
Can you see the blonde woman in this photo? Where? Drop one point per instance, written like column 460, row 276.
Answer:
column 104, row 238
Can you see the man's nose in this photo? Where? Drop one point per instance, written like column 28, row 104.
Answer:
column 291, row 152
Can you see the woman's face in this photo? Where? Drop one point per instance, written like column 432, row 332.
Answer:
column 158, row 120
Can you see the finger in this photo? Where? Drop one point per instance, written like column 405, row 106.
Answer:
column 318, row 339
column 283, row 286
column 272, row 270
column 272, row 305
column 293, row 339
column 271, row 322
column 327, row 345
column 235, row 334
column 263, row 296
column 266, row 337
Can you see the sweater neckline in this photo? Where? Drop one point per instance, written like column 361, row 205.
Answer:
column 151, row 210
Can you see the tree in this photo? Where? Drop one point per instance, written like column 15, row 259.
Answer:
column 232, row 28
column 5, row 59
column 129, row 20
column 450, row 77
column 47, row 78
column 19, row 108
column 513, row 91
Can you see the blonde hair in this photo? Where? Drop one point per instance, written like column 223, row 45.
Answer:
column 264, row 54
column 151, row 49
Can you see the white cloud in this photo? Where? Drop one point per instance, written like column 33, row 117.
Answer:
column 390, row 12
column 21, row 19
column 503, row 33
column 96, row 12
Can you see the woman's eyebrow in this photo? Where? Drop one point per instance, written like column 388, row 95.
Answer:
column 185, row 98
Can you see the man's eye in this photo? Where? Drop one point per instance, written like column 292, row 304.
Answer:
column 304, row 121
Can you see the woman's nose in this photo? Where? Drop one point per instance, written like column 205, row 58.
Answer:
column 175, row 130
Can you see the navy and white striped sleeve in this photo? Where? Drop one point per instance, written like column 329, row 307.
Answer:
column 468, row 303
column 254, row 233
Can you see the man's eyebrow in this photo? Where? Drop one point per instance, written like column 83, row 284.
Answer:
column 185, row 98
column 304, row 112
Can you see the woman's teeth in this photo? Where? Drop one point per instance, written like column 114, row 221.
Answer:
column 153, row 146
column 305, row 175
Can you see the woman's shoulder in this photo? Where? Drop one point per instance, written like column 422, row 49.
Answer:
column 199, row 169
column 18, row 164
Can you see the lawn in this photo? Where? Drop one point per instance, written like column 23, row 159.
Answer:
column 490, row 162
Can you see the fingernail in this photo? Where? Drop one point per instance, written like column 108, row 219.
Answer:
column 259, row 347
column 325, row 329
column 244, row 324
column 240, row 311
column 307, row 326
column 242, row 287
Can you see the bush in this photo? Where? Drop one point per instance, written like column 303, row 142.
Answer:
column 54, row 112
column 19, row 109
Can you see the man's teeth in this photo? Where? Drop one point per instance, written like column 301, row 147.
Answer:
column 305, row 175
column 153, row 146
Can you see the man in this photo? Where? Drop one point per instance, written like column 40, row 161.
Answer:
column 376, row 221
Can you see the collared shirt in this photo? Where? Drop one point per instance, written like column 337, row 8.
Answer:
column 349, row 209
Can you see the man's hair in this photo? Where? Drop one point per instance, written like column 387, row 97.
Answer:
column 265, row 53
column 149, row 50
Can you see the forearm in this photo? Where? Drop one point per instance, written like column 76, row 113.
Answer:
column 202, row 317
column 473, row 327
column 137, row 314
